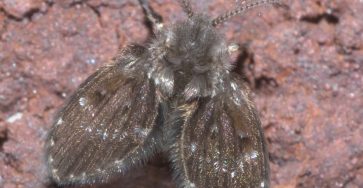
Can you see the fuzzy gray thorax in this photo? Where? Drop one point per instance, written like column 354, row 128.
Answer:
column 192, row 54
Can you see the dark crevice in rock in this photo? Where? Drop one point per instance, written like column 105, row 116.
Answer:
column 118, row 38
column 245, row 67
column 26, row 16
column 241, row 59
column 10, row 16
column 102, row 4
column 244, row 63
column 8, row 158
column 9, row 106
column 285, row 11
column 346, row 50
column 12, row 161
column 95, row 10
column 265, row 81
column 77, row 2
column 348, row 180
column 50, row 3
column 316, row 19
column 278, row 160
column 4, row 136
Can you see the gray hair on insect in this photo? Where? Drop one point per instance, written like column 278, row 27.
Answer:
column 174, row 95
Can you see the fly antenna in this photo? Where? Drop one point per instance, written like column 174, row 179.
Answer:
column 187, row 8
column 245, row 7
column 153, row 17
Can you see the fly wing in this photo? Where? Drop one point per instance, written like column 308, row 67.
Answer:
column 108, row 125
column 220, row 143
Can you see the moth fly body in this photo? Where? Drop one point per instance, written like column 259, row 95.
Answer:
column 175, row 95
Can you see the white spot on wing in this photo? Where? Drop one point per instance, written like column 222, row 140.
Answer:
column 51, row 142
column 131, row 63
column 243, row 135
column 190, row 184
column 241, row 165
column 263, row 184
column 89, row 129
column 123, row 135
column 234, row 86
column 253, row 155
column 214, row 128
column 84, row 175
column 120, row 165
column 150, row 73
column 236, row 99
column 142, row 132
column 216, row 166
column 236, row 94
column 115, row 134
column 169, row 36
column 169, row 83
column 224, row 166
column 233, row 174
column 60, row 121
column 54, row 172
column 193, row 147
column 104, row 135
column 82, row 101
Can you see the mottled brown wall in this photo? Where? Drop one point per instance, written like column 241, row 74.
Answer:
column 303, row 60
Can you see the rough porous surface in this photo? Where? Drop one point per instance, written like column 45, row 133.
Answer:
column 303, row 59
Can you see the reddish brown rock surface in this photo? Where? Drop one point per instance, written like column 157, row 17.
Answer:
column 303, row 60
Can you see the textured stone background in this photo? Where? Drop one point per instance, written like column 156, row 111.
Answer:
column 303, row 60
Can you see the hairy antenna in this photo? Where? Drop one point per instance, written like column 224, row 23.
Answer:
column 153, row 17
column 248, row 5
column 187, row 8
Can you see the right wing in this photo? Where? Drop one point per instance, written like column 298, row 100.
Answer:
column 108, row 126
column 220, row 142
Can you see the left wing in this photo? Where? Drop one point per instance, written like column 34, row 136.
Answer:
column 109, row 125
